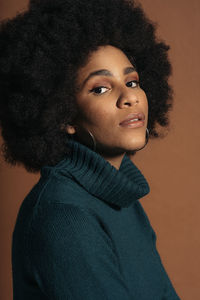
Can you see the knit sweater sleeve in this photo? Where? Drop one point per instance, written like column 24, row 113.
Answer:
column 169, row 291
column 72, row 257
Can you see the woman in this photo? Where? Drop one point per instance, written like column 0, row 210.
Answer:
column 75, row 79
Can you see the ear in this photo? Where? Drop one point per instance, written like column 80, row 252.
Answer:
column 70, row 129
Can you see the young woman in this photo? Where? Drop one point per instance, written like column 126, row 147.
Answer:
column 83, row 85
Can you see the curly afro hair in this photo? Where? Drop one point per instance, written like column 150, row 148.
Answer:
column 41, row 51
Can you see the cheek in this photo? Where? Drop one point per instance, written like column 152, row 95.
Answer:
column 146, row 107
column 93, row 114
column 145, row 100
column 99, row 117
column 142, row 94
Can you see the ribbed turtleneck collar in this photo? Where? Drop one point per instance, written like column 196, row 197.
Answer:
column 119, row 187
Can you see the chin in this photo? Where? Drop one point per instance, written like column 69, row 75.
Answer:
column 136, row 145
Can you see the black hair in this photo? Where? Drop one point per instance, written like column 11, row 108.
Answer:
column 41, row 51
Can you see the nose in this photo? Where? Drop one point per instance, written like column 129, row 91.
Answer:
column 127, row 99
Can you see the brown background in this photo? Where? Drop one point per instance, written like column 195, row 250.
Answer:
column 171, row 165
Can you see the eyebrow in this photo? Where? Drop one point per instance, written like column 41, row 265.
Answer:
column 105, row 72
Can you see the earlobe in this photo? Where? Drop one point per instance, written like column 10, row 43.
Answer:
column 70, row 129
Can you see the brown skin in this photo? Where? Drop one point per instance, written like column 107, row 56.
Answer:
column 105, row 100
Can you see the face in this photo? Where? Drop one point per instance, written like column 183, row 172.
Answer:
column 111, row 104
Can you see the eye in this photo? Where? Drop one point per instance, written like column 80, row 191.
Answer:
column 99, row 90
column 132, row 84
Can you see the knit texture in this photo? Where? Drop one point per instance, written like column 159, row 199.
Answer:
column 82, row 234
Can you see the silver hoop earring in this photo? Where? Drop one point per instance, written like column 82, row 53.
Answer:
column 85, row 137
column 147, row 136
column 93, row 140
column 147, row 139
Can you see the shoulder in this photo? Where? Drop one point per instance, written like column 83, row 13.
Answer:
column 54, row 198
column 57, row 209
column 59, row 227
column 58, row 202
column 59, row 187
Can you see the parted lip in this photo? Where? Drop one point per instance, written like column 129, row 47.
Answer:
column 140, row 116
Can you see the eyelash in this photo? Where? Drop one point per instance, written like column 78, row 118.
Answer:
column 100, row 87
column 135, row 81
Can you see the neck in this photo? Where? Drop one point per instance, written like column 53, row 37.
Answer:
column 98, row 174
column 115, row 161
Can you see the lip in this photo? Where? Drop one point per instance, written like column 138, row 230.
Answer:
column 129, row 120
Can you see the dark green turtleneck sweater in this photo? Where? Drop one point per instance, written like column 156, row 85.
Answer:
column 81, row 234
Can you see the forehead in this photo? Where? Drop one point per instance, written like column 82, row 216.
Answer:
column 105, row 57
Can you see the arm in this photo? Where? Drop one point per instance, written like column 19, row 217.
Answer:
column 72, row 257
column 170, row 293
